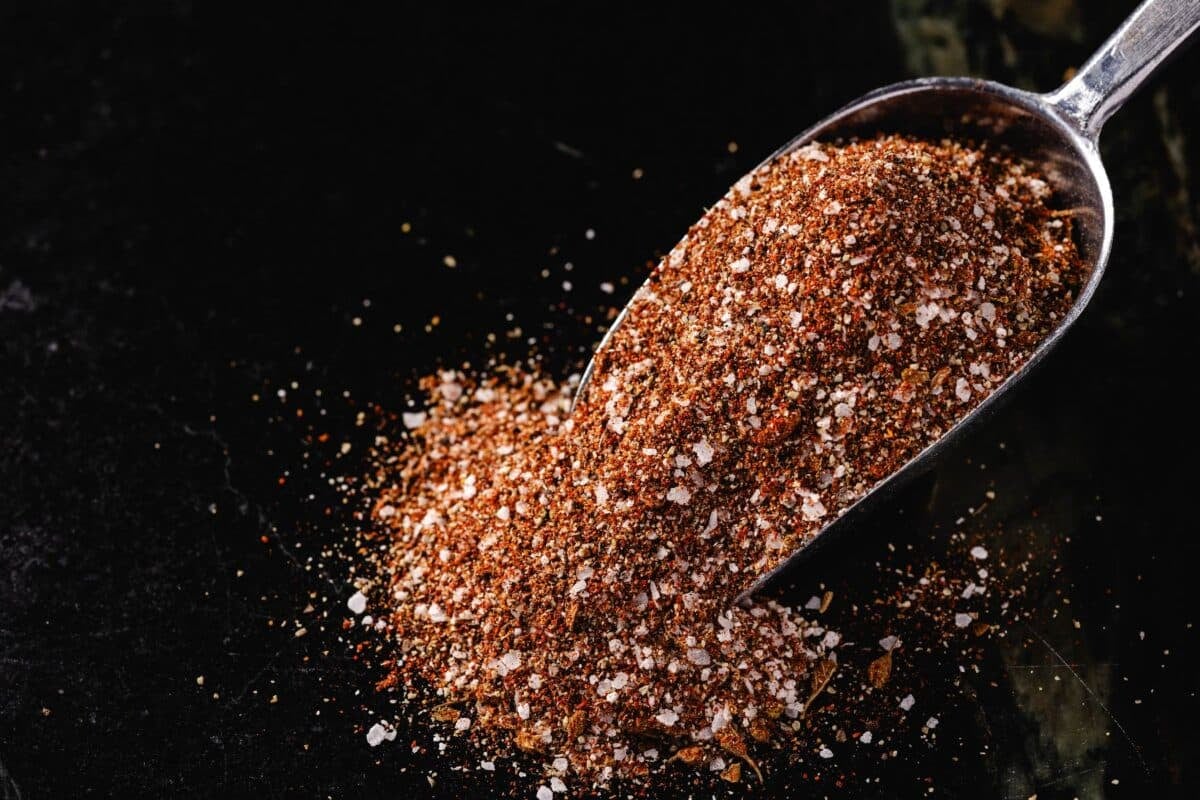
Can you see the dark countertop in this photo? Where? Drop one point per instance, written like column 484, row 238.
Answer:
column 195, row 210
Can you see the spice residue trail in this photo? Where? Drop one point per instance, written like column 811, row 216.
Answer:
column 565, row 584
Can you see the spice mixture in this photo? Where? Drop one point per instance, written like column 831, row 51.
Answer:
column 563, row 583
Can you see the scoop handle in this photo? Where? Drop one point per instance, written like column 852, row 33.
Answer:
column 1155, row 30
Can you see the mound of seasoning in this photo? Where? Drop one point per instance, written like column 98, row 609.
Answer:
column 564, row 584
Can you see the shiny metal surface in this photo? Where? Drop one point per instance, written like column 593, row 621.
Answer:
column 1058, row 131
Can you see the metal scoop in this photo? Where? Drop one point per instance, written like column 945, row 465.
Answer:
column 1058, row 131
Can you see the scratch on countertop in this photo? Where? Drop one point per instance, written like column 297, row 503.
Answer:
column 8, row 785
column 1092, row 693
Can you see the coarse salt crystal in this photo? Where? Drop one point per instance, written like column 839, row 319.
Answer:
column 487, row 766
column 866, row 737
column 826, row 753
column 560, row 764
column 557, row 785
column 927, row 312
column 931, row 723
column 545, row 793
column 741, row 265
column 721, row 718
column 357, row 602
column 889, row 643
column 680, row 495
column 962, row 390
column 601, row 495
column 812, row 152
column 703, row 451
column 979, row 553
column 667, row 717
column 414, row 419
column 508, row 662
column 462, row 724
column 812, row 508
column 908, row 702
column 378, row 734
column 962, row 620
column 699, row 656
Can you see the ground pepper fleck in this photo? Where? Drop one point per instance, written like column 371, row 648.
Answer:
column 562, row 583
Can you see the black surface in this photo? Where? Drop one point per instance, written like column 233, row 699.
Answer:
column 194, row 210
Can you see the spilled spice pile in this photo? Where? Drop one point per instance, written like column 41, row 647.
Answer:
column 564, row 583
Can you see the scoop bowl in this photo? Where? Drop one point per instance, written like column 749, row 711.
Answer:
column 1058, row 132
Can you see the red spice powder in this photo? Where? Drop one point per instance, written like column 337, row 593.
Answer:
column 564, row 582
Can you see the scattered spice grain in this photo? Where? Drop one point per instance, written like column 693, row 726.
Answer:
column 573, row 575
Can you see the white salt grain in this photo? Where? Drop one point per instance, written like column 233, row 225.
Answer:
column 357, row 603
column 908, row 702
column 680, row 495
column 378, row 734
